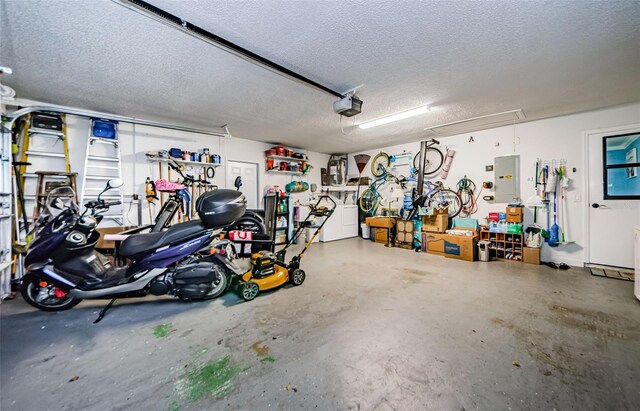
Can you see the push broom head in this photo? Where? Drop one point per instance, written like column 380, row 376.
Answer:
column 361, row 161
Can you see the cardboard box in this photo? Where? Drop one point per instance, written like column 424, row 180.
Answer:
column 104, row 244
column 436, row 223
column 381, row 235
column 381, row 222
column 531, row 255
column 514, row 214
column 460, row 247
column 433, row 243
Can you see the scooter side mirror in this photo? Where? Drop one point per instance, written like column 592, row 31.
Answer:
column 238, row 183
column 114, row 183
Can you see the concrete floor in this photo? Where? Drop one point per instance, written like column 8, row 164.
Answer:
column 372, row 328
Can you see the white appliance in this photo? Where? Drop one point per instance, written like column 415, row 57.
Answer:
column 342, row 224
column 636, row 286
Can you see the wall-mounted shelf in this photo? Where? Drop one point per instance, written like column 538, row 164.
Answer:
column 295, row 173
column 273, row 161
column 341, row 189
column 281, row 158
column 186, row 162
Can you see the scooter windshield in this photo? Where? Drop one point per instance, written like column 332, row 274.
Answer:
column 60, row 199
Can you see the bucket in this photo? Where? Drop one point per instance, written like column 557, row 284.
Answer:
column 309, row 232
column 365, row 231
column 483, row 250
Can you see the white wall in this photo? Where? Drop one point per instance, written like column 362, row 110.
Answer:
column 554, row 138
column 135, row 141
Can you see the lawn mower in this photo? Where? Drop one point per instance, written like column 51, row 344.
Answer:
column 269, row 270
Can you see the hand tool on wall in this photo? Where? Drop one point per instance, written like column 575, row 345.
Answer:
column 151, row 194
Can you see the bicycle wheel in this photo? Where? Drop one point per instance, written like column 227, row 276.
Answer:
column 447, row 198
column 380, row 164
column 433, row 161
column 368, row 200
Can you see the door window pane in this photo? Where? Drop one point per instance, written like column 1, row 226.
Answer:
column 621, row 166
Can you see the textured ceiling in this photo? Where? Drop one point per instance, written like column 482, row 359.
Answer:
column 466, row 59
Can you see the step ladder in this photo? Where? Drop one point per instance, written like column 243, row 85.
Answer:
column 41, row 150
column 103, row 163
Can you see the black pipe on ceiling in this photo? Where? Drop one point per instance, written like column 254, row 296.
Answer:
column 145, row 8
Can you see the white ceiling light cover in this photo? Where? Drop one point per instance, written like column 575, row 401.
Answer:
column 395, row 117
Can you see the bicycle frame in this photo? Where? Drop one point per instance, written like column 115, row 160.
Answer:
column 374, row 189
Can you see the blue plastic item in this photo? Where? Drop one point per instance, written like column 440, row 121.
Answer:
column 104, row 128
column 175, row 153
column 502, row 216
column 466, row 223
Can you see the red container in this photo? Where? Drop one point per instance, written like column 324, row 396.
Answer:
column 270, row 152
column 269, row 163
column 289, row 153
column 494, row 217
column 284, row 166
column 281, row 151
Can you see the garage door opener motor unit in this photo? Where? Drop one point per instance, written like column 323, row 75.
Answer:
column 348, row 106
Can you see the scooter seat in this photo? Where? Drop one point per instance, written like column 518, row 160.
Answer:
column 139, row 243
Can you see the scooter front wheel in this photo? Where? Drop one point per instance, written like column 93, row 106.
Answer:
column 46, row 296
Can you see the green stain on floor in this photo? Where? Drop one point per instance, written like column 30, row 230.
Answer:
column 267, row 359
column 174, row 406
column 214, row 378
column 162, row 330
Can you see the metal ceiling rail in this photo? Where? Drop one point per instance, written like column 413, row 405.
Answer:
column 95, row 114
column 178, row 23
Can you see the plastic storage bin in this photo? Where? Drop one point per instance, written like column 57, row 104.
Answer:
column 365, row 231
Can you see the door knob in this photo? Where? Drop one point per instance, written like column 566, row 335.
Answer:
column 596, row 205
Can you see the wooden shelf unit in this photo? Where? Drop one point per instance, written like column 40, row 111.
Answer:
column 503, row 244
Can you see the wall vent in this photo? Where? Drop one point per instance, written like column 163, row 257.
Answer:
column 478, row 123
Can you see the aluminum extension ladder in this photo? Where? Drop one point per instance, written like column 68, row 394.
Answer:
column 103, row 163
column 35, row 149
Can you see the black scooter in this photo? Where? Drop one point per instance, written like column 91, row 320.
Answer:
column 63, row 267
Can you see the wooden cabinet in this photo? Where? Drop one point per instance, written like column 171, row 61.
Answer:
column 504, row 246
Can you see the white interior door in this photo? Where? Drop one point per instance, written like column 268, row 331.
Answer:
column 249, row 174
column 613, row 195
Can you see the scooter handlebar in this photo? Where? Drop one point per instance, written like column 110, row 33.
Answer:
column 101, row 204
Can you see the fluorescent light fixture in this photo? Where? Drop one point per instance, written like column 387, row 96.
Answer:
column 395, row 117
column 478, row 123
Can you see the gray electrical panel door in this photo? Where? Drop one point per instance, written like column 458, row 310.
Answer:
column 507, row 179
